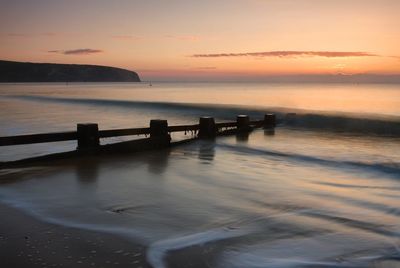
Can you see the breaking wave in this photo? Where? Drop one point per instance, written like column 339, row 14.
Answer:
column 302, row 119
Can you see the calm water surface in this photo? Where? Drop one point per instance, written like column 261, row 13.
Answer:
column 304, row 196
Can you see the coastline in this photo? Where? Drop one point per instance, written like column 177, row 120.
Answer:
column 29, row 242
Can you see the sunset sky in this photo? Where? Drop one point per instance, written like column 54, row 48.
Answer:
column 180, row 40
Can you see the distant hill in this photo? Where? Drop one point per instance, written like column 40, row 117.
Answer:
column 11, row 71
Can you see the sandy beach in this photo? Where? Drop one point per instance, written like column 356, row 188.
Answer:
column 27, row 242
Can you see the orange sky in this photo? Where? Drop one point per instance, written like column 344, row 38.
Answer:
column 159, row 39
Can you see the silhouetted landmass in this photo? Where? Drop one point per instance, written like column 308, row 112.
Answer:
column 11, row 71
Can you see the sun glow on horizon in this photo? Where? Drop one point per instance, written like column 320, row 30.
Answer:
column 192, row 39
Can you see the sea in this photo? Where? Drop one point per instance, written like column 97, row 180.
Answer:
column 320, row 190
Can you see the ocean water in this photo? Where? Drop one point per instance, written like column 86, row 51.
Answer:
column 322, row 190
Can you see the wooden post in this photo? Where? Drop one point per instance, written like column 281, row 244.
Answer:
column 159, row 136
column 269, row 120
column 207, row 128
column 158, row 128
column 243, row 122
column 88, row 136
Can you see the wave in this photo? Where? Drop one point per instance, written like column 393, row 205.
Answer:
column 371, row 205
column 345, row 123
column 299, row 246
column 158, row 250
column 373, row 187
column 388, row 168
column 341, row 122
column 326, row 250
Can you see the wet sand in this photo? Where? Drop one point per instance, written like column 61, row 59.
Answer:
column 27, row 242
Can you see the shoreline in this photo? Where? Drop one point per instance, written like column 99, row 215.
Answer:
column 29, row 242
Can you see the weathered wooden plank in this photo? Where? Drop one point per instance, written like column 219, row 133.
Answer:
column 38, row 138
column 183, row 128
column 72, row 135
column 226, row 124
column 124, row 132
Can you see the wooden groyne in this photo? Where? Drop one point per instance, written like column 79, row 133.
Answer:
column 157, row 135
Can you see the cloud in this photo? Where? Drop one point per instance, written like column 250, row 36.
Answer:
column 82, row 51
column 289, row 54
column 79, row 51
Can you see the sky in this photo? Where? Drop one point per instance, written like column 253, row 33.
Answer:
column 200, row 40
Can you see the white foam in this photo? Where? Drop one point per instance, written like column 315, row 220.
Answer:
column 135, row 234
column 157, row 251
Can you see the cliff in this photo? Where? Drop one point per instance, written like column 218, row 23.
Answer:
column 11, row 71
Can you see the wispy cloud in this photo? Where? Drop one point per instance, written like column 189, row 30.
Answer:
column 79, row 51
column 82, row 51
column 290, row 54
